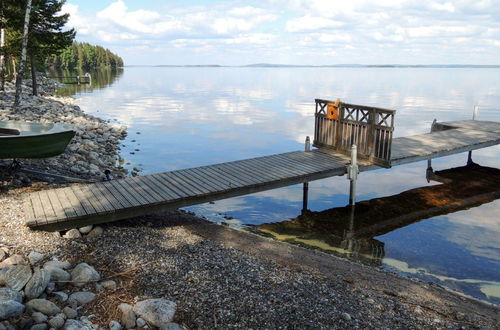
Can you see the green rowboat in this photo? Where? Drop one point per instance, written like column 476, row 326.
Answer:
column 33, row 140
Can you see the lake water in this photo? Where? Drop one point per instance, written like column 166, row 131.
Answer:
column 186, row 117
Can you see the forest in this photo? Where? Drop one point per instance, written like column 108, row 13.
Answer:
column 34, row 35
column 84, row 56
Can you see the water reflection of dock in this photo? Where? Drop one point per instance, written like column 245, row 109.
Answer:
column 353, row 229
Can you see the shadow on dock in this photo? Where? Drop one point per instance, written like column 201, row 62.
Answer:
column 350, row 231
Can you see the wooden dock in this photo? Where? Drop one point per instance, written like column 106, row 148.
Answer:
column 84, row 204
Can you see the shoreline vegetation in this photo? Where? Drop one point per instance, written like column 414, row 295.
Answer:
column 211, row 276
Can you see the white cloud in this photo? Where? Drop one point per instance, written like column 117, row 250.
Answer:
column 298, row 31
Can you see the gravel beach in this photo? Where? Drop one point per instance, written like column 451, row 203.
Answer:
column 223, row 278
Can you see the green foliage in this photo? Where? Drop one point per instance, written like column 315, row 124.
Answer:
column 81, row 55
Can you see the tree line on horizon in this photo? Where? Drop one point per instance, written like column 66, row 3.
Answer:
column 81, row 55
column 35, row 30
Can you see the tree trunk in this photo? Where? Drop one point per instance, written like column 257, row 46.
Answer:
column 2, row 56
column 22, row 62
column 33, row 75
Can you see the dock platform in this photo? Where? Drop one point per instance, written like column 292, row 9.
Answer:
column 84, row 204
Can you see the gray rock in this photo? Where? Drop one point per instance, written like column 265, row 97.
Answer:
column 76, row 325
column 86, row 229
column 57, row 322
column 44, row 306
column 128, row 315
column 2, row 275
column 58, row 264
column 9, row 294
column 109, row 284
column 82, row 298
column 115, row 325
column 57, row 274
column 38, row 317
column 60, row 296
column 97, row 231
column 41, row 326
column 156, row 311
column 3, row 255
column 72, row 233
column 83, row 273
column 15, row 259
column 141, row 322
column 17, row 276
column 171, row 326
column 35, row 257
column 10, row 308
column 37, row 283
column 70, row 312
column 346, row 316
column 50, row 287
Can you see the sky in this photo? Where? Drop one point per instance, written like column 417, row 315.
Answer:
column 300, row 32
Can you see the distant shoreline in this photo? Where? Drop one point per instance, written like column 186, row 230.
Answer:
column 267, row 65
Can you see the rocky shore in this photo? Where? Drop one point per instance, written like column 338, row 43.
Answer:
column 93, row 150
column 176, row 271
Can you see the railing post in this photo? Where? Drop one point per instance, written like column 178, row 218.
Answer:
column 352, row 174
column 308, row 144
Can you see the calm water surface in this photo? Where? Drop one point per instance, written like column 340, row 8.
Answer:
column 185, row 117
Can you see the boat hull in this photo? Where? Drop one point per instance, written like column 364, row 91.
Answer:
column 42, row 144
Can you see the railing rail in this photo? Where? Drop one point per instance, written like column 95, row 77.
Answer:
column 339, row 125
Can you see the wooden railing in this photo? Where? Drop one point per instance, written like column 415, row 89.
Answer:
column 339, row 125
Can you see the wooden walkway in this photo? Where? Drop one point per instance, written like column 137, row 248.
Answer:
column 84, row 204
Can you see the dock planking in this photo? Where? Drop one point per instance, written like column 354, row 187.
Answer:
column 84, row 204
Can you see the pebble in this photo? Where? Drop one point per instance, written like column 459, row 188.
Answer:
column 141, row 322
column 171, row 326
column 346, row 316
column 58, row 264
column 44, row 306
column 86, row 229
column 35, row 257
column 128, row 316
column 15, row 259
column 76, row 325
column 10, row 308
column 108, row 284
column 60, row 296
column 96, row 232
column 82, row 298
column 72, row 233
column 38, row 317
column 70, row 312
column 115, row 325
column 41, row 326
column 57, row 322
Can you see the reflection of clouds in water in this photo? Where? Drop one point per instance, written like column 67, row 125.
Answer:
column 480, row 217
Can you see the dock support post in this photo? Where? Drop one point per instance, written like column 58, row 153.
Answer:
column 352, row 174
column 305, row 197
column 429, row 161
column 474, row 115
column 308, row 144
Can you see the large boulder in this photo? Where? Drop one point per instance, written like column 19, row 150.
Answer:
column 83, row 273
column 17, row 276
column 37, row 284
column 10, row 308
column 156, row 311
